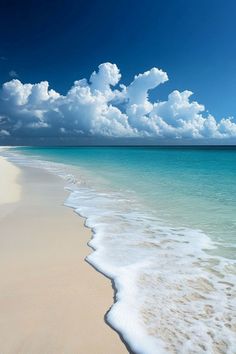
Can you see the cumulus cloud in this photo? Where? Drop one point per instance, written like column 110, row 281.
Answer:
column 99, row 107
column 137, row 91
column 108, row 75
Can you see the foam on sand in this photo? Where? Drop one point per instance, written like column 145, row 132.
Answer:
column 171, row 295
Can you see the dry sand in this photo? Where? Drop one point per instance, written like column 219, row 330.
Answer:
column 51, row 300
column 9, row 188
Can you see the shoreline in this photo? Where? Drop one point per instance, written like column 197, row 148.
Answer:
column 63, row 301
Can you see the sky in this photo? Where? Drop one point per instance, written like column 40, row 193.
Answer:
column 182, row 53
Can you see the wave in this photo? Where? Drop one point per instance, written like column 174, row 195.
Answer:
column 173, row 295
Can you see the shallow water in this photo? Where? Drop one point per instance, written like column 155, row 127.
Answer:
column 164, row 222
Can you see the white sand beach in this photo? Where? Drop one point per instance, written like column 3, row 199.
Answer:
column 51, row 300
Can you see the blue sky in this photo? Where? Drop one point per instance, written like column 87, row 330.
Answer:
column 63, row 41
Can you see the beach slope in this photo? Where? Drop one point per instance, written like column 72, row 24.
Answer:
column 51, row 300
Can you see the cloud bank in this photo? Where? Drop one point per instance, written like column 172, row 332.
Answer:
column 99, row 107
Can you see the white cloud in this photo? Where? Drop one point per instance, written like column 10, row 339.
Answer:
column 108, row 75
column 97, row 108
column 16, row 93
column 138, row 89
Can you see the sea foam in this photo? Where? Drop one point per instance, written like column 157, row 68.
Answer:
column 172, row 294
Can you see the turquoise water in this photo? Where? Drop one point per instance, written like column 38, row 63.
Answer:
column 164, row 229
column 193, row 187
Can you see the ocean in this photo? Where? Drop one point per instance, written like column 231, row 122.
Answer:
column 164, row 231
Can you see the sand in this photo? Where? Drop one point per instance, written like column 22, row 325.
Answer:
column 51, row 300
column 10, row 190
